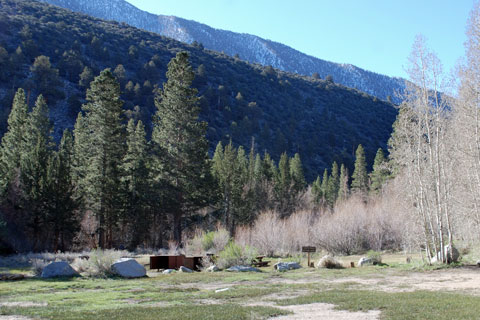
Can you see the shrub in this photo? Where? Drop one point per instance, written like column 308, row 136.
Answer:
column 234, row 254
column 375, row 256
column 99, row 264
column 329, row 262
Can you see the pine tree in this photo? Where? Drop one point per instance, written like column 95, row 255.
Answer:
column 380, row 172
column 135, row 178
column 34, row 160
column 180, row 141
column 103, row 134
column 343, row 190
column 332, row 186
column 11, row 147
column 282, row 185
column 62, row 204
column 360, row 177
column 317, row 190
column 296, row 174
column 324, row 186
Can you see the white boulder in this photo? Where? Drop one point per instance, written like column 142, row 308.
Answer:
column 58, row 269
column 128, row 268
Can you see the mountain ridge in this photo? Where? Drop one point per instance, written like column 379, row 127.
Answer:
column 284, row 112
column 249, row 47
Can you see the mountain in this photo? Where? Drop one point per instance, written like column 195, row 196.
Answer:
column 321, row 120
column 248, row 47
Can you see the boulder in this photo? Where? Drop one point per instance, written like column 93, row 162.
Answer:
column 185, row 269
column 365, row 261
column 213, row 268
column 168, row 271
column 478, row 263
column 285, row 266
column 59, row 269
column 128, row 268
column 329, row 262
column 242, row 269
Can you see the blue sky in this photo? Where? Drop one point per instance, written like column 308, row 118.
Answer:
column 376, row 35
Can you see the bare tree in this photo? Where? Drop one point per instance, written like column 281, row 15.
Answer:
column 421, row 152
column 467, row 125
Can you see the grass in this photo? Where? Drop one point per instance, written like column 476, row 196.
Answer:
column 193, row 296
column 402, row 305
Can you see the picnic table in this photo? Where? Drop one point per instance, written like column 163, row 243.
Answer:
column 258, row 262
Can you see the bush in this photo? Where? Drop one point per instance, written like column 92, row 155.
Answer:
column 99, row 264
column 329, row 262
column 213, row 241
column 233, row 255
column 375, row 256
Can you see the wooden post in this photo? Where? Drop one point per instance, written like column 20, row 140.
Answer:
column 309, row 250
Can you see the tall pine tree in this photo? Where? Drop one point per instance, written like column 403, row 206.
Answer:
column 380, row 172
column 181, row 145
column 360, row 176
column 38, row 146
column 103, row 136
column 11, row 147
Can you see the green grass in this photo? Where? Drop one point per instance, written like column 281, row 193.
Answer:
column 187, row 312
column 193, row 296
column 406, row 305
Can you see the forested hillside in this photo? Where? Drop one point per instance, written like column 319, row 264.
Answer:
column 48, row 50
column 248, row 47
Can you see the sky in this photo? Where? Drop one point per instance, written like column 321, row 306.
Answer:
column 375, row 35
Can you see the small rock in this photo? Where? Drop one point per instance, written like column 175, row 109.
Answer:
column 213, row 268
column 285, row 266
column 185, row 269
column 168, row 271
column 364, row 261
column 222, row 290
column 242, row 269
column 128, row 268
column 478, row 263
column 59, row 269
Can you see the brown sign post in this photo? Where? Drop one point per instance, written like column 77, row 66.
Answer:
column 309, row 250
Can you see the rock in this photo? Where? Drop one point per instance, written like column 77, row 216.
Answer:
column 242, row 269
column 11, row 277
column 185, row 269
column 285, row 266
column 329, row 262
column 222, row 290
column 59, row 269
column 213, row 268
column 128, row 268
column 478, row 263
column 168, row 271
column 365, row 261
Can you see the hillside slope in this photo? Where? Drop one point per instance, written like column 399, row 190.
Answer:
column 321, row 120
column 249, row 47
